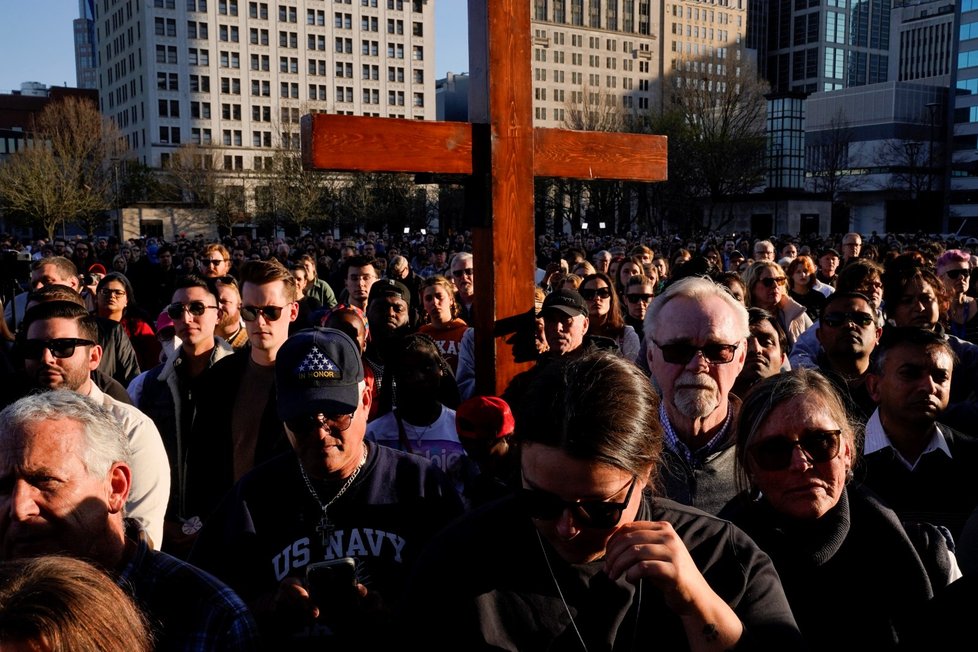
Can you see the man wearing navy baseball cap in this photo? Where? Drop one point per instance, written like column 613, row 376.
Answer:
column 333, row 495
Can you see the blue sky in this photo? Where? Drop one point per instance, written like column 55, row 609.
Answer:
column 38, row 42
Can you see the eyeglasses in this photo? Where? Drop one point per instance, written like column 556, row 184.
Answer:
column 270, row 313
column 109, row 292
column 60, row 347
column 683, row 352
column 213, row 262
column 459, row 273
column 774, row 453
column 958, row 273
column 195, row 308
column 635, row 298
column 770, row 281
column 601, row 293
column 599, row 514
column 836, row 319
column 313, row 422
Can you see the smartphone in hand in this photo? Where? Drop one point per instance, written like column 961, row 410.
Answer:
column 333, row 584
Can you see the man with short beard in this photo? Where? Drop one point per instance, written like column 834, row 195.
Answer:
column 230, row 326
column 389, row 316
column 696, row 334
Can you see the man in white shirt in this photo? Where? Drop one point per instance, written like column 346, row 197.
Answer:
column 60, row 352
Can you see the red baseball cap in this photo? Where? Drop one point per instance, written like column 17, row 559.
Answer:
column 484, row 417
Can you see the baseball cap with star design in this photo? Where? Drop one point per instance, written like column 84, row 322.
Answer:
column 317, row 370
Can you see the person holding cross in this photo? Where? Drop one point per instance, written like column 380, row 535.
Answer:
column 332, row 496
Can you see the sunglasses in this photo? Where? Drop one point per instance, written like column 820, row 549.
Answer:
column 195, row 308
column 213, row 262
column 770, row 282
column 958, row 273
column 313, row 422
column 60, row 347
column 837, row 319
column 270, row 313
column 774, row 453
column 683, row 352
column 599, row 514
column 635, row 298
column 459, row 273
column 601, row 293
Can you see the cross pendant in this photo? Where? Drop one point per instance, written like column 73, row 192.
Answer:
column 325, row 528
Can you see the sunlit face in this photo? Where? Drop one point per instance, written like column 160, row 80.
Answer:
column 112, row 298
column 698, row 388
column 872, row 287
column 914, row 386
column 214, row 264
column 597, row 304
column 661, row 267
column 627, row 270
column 848, row 338
column 801, row 277
column 51, row 275
column 764, row 354
column 851, row 246
column 49, row 372
column 358, row 282
column 917, row 306
column 766, row 297
column 552, row 470
column 49, row 503
column 564, row 332
column 638, row 298
column 263, row 334
column 463, row 277
column 828, row 264
column 195, row 331
column 301, row 280
column 229, row 306
column 805, row 489
column 956, row 277
column 438, row 304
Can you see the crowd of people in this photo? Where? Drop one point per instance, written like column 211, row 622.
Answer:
column 278, row 444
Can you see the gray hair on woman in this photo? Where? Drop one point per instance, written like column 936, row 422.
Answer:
column 771, row 392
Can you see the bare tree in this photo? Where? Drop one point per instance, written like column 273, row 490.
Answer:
column 721, row 103
column 828, row 158
column 63, row 173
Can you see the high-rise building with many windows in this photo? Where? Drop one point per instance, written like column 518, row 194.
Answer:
column 236, row 75
column 590, row 56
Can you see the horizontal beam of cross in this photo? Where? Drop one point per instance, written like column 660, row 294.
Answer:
column 348, row 143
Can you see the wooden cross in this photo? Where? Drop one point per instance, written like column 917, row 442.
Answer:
column 501, row 152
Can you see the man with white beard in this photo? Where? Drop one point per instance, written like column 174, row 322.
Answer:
column 696, row 334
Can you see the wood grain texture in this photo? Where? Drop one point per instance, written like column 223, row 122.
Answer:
column 512, row 134
column 599, row 155
column 343, row 142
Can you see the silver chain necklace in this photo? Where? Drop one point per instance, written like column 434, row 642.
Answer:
column 325, row 526
column 560, row 593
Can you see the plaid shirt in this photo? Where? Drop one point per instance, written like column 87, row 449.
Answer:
column 693, row 458
column 187, row 608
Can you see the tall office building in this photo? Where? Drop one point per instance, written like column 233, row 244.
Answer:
column 236, row 75
column 615, row 54
column 811, row 46
column 964, row 151
column 86, row 68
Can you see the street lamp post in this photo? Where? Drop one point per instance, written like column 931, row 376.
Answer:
column 932, row 108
